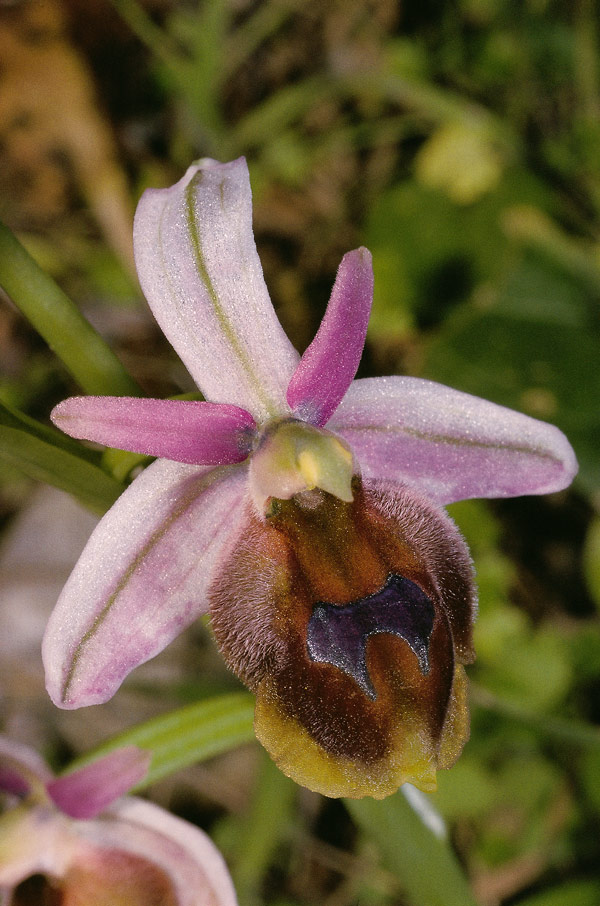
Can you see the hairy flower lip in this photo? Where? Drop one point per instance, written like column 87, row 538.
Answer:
column 293, row 561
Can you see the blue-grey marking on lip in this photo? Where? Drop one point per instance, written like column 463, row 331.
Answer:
column 337, row 634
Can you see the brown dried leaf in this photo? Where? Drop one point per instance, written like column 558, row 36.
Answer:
column 54, row 138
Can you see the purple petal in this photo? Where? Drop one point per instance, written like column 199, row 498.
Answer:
column 142, row 577
column 329, row 364
column 201, row 274
column 86, row 792
column 181, row 430
column 449, row 444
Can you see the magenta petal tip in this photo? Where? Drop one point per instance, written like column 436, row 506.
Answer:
column 87, row 791
column 329, row 365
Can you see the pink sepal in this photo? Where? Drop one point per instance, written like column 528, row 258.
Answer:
column 142, row 577
column 188, row 431
column 87, row 791
column 449, row 444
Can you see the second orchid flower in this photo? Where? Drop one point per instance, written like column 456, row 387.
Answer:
column 76, row 840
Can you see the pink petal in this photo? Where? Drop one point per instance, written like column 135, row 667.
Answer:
column 329, row 364
column 142, row 577
column 449, row 444
column 182, row 430
column 89, row 790
column 12, row 781
column 143, row 831
column 201, row 274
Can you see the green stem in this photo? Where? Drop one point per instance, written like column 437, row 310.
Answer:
column 423, row 862
column 82, row 350
column 262, row 830
column 585, row 58
column 46, row 455
column 152, row 36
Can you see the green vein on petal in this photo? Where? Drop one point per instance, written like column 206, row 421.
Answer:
column 451, row 441
column 224, row 321
column 186, row 502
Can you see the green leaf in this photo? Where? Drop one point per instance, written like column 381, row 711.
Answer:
column 82, row 350
column 190, row 54
column 468, row 790
column 279, row 111
column 121, row 463
column 261, row 831
column 575, row 893
column 591, row 559
column 572, row 732
column 186, row 736
column 256, row 28
column 435, row 253
column 424, row 863
column 46, row 455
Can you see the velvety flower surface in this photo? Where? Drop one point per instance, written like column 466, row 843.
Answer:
column 300, row 506
column 73, row 841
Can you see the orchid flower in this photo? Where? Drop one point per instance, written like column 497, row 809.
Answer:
column 300, row 507
column 73, row 840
